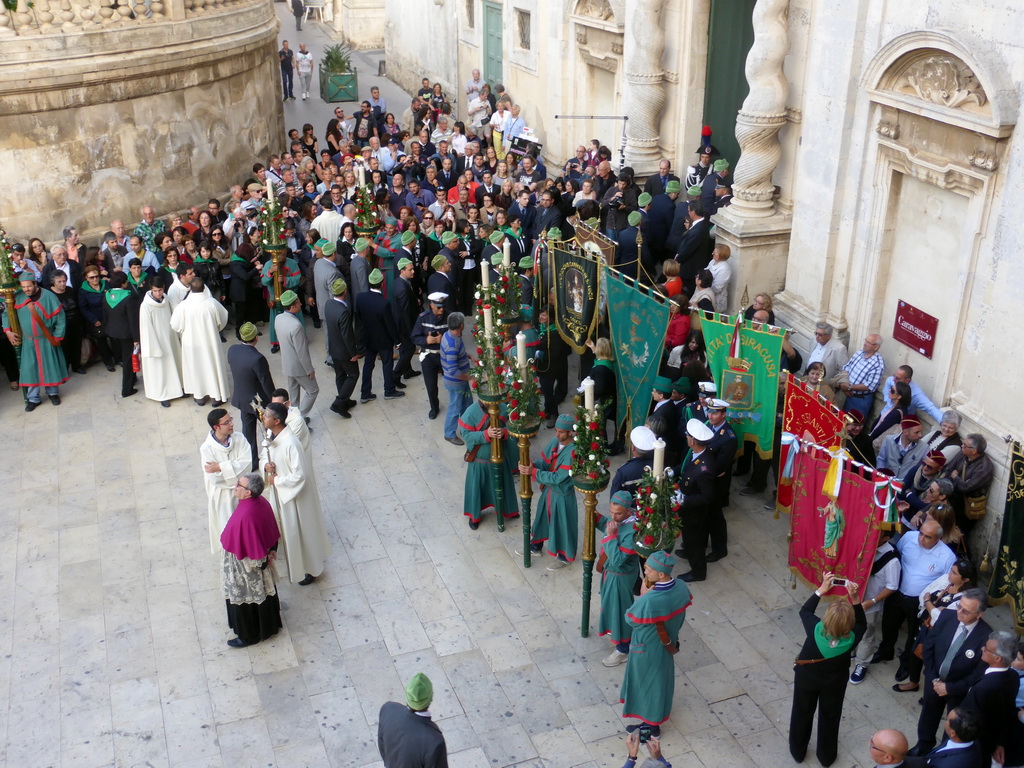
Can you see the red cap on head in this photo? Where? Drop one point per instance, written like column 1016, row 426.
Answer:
column 938, row 457
column 857, row 416
column 910, row 421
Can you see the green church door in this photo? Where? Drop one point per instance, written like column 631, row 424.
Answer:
column 730, row 36
column 493, row 32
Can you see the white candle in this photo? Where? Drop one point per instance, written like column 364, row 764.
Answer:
column 270, row 192
column 362, row 176
column 485, row 274
column 521, row 350
column 506, row 257
column 487, row 321
column 659, row 457
column 588, row 396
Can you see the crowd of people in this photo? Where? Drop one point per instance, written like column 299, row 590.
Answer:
column 446, row 196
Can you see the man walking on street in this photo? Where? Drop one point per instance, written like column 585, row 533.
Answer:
column 250, row 374
column 304, row 64
column 344, row 345
column 295, row 360
column 298, row 9
column 380, row 332
column 455, row 367
column 287, row 58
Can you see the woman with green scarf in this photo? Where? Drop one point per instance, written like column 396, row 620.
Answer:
column 603, row 374
column 121, row 322
column 823, row 669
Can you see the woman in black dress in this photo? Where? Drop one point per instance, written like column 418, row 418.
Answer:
column 823, row 669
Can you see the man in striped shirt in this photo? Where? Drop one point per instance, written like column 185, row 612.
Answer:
column 455, row 369
column 865, row 372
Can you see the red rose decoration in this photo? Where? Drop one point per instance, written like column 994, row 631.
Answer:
column 513, row 416
column 479, row 350
column 516, row 385
column 592, row 425
column 592, row 475
column 542, row 414
column 513, row 403
column 594, row 446
column 648, row 539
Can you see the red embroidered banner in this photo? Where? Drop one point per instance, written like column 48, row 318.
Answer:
column 838, row 535
column 810, row 416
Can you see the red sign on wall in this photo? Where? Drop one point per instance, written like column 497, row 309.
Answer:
column 915, row 328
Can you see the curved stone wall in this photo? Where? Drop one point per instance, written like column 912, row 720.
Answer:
column 101, row 114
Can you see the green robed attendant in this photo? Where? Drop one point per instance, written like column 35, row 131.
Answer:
column 556, row 526
column 478, row 497
column 41, row 319
column 291, row 276
column 656, row 617
column 619, row 565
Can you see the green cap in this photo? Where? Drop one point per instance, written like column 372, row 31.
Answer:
column 247, row 332
column 694, row 191
column 448, row 237
column 554, row 234
column 525, row 313
column 362, row 244
column 663, row 384
column 321, row 243
column 644, row 199
column 403, row 263
column 408, row 237
column 391, row 220
column 721, row 164
column 496, row 237
column 564, row 421
column 339, row 286
column 288, row 298
column 593, row 221
column 419, row 692
column 497, row 258
column 683, row 385
column 329, row 249
column 634, row 218
column 376, row 277
column 622, row 498
column 662, row 562
column 438, row 261
column 526, row 262
column 672, row 187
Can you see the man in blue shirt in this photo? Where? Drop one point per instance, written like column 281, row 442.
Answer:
column 455, row 369
column 919, row 401
column 419, row 199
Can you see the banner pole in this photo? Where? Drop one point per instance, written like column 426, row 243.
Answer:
column 526, row 494
column 589, row 523
column 497, row 458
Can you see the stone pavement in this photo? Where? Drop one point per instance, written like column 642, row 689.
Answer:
column 113, row 629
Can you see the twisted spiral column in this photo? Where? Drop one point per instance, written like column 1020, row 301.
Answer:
column 643, row 46
column 763, row 113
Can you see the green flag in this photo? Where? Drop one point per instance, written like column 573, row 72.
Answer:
column 638, row 323
column 746, row 371
column 1007, row 585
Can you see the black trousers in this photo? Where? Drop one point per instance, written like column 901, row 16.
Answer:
column 346, row 374
column 71, row 344
column 469, row 279
column 899, row 609
column 554, row 384
column 931, row 714
column 695, row 539
column 811, row 693
column 406, row 349
column 431, row 367
column 387, row 363
column 717, row 528
column 128, row 377
column 102, row 342
column 249, row 432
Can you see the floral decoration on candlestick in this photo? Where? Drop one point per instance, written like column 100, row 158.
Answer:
column 508, row 294
column 272, row 222
column 590, row 452
column 366, row 211
column 524, row 398
column 657, row 512
column 487, row 373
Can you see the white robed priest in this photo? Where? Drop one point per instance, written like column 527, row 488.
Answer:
column 297, row 424
column 292, row 493
column 200, row 319
column 160, row 346
column 225, row 456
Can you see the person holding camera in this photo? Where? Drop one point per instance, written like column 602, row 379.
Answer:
column 823, row 668
column 653, row 744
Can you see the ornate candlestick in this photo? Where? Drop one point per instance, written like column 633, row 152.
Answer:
column 590, row 476
column 9, row 286
column 488, row 379
column 523, row 422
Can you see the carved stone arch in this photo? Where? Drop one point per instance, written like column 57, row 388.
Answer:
column 945, row 75
column 603, row 11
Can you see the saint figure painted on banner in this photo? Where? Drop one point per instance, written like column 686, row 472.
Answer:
column 834, row 525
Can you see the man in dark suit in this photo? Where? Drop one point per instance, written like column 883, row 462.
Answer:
column 487, row 187
column 657, row 184
column 952, row 662
column 548, row 216
column 344, row 345
column 708, row 196
column 994, row 696
column 723, row 448
column 407, row 309
column 447, row 178
column 59, row 262
column 380, row 334
column 406, row 735
column 250, row 373
column 889, row 747
column 526, row 213
column 660, row 214
column 695, row 247
column 959, row 749
column 441, row 282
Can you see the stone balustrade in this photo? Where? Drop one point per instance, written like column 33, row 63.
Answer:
column 63, row 17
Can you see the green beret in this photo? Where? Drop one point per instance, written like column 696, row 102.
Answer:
column 673, row 187
column 496, row 237
column 622, row 498
column 564, row 421
column 329, row 249
column 526, row 262
column 554, row 234
column 339, row 286
column 721, row 164
column 683, row 385
column 362, row 244
column 28, row 275
column 419, row 692
column 408, row 237
column 288, row 298
column 438, row 261
column 663, row 384
column 247, row 332
column 497, row 258
column 391, row 220
column 592, row 222
column 321, row 243
column 634, row 218
column 526, row 313
column 376, row 277
column 662, row 562
column 644, row 199
column 694, row 191
column 403, row 263
column 448, row 237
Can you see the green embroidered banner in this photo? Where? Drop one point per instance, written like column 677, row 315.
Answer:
column 1007, row 585
column 638, row 323
column 747, row 375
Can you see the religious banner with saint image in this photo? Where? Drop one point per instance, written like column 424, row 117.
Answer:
column 576, row 292
column 835, row 517
column 1007, row 585
column 638, row 322
column 810, row 416
column 744, row 362
column 595, row 243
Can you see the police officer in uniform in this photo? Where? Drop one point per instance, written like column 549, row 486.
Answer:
column 697, row 486
column 705, row 390
column 628, row 475
column 722, row 446
column 695, row 174
column 430, row 326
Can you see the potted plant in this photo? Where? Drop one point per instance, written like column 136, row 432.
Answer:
column 338, row 79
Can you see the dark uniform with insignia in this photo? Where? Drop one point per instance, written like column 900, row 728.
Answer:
column 697, row 484
column 723, row 450
column 628, row 475
column 430, row 352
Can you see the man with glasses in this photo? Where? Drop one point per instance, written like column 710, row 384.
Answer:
column 864, row 371
column 889, row 747
column 225, row 457
column 827, row 350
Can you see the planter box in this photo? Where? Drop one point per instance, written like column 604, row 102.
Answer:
column 335, row 88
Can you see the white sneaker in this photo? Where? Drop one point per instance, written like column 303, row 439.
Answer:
column 614, row 659
column 557, row 564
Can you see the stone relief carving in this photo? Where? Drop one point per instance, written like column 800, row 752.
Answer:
column 979, row 158
column 595, row 9
column 889, row 129
column 943, row 80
